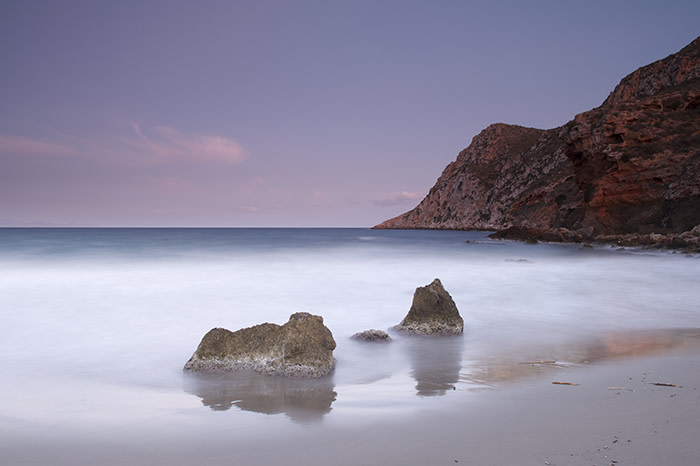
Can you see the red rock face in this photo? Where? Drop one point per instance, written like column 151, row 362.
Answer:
column 672, row 71
column 631, row 165
column 508, row 175
column 637, row 157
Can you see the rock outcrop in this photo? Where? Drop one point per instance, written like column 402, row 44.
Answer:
column 433, row 312
column 372, row 335
column 302, row 347
column 630, row 166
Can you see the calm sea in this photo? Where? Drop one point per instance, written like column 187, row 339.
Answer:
column 97, row 323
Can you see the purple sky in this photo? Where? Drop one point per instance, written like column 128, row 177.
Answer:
column 288, row 113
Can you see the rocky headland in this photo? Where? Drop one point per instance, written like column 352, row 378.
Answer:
column 627, row 172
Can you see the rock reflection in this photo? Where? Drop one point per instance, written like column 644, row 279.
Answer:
column 303, row 400
column 435, row 363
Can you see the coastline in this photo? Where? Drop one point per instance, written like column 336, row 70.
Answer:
column 615, row 414
column 687, row 242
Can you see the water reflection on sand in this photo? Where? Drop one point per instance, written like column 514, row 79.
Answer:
column 303, row 400
column 436, row 365
column 512, row 364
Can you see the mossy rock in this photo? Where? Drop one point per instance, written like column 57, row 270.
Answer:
column 302, row 347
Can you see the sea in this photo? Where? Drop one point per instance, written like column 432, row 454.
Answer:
column 97, row 324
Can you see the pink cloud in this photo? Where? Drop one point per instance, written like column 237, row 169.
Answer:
column 19, row 145
column 398, row 198
column 167, row 142
column 161, row 145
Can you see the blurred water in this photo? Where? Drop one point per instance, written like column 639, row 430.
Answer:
column 97, row 323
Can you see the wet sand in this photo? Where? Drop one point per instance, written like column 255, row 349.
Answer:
column 615, row 414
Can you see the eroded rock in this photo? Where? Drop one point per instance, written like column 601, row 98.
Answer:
column 432, row 312
column 302, row 347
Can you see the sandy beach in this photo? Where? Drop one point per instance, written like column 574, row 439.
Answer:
column 630, row 411
column 615, row 415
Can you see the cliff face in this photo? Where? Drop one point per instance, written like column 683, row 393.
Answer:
column 637, row 157
column 631, row 165
column 508, row 175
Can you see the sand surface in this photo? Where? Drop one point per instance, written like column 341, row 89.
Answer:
column 615, row 415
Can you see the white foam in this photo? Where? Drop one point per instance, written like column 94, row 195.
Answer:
column 134, row 322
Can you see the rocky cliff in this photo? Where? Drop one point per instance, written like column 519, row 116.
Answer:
column 628, row 167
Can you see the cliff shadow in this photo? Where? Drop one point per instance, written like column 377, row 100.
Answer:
column 302, row 400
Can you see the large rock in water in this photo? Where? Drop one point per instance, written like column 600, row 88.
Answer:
column 302, row 347
column 433, row 312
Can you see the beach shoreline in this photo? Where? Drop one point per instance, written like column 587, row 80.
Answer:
column 93, row 363
column 643, row 410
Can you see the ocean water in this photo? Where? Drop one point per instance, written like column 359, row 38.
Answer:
column 97, row 324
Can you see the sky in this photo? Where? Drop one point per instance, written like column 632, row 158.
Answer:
column 288, row 113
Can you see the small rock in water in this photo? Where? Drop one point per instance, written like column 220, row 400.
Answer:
column 302, row 347
column 372, row 335
column 433, row 312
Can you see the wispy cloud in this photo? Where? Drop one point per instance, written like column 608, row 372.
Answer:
column 157, row 146
column 166, row 142
column 19, row 145
column 398, row 198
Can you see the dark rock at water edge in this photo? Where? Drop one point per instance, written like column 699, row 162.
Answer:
column 433, row 312
column 372, row 335
column 688, row 241
column 302, row 347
